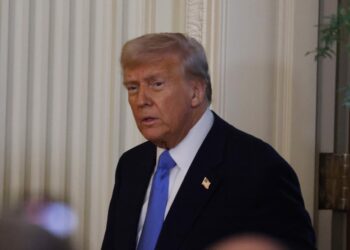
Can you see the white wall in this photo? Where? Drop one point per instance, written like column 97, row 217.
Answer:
column 251, row 45
column 269, row 83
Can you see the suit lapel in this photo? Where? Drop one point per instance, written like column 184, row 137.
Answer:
column 139, row 171
column 192, row 195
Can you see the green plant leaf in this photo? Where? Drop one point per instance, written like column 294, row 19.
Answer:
column 330, row 33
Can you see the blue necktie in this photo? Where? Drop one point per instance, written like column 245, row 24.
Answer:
column 157, row 203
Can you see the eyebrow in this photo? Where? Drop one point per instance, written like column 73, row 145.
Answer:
column 147, row 79
column 153, row 77
column 129, row 82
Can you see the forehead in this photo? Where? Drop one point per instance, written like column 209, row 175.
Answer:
column 165, row 64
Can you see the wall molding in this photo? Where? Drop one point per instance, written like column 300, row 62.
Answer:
column 206, row 21
column 284, row 77
column 196, row 18
column 294, row 134
column 216, row 51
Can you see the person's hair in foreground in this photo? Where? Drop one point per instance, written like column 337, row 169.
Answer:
column 152, row 47
column 248, row 242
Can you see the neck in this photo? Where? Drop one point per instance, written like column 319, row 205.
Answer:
column 196, row 116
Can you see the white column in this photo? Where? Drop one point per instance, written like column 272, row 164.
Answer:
column 303, row 129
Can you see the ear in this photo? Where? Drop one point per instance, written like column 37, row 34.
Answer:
column 198, row 92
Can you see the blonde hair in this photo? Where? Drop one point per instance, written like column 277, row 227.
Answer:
column 190, row 52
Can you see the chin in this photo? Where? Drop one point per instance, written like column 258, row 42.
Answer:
column 158, row 141
column 151, row 137
column 155, row 135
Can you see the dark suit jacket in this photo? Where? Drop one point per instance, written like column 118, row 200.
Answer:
column 253, row 190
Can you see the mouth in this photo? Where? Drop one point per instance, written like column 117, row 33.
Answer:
column 148, row 121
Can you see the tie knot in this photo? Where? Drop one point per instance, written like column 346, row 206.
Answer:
column 165, row 161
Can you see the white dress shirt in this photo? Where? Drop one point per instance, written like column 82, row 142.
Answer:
column 183, row 154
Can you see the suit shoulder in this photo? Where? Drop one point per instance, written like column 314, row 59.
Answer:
column 254, row 153
column 248, row 144
column 139, row 150
column 258, row 157
column 137, row 156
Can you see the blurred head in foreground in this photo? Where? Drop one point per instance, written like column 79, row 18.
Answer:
column 17, row 234
column 37, row 225
column 248, row 242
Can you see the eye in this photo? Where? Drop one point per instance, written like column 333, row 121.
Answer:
column 132, row 88
column 157, row 84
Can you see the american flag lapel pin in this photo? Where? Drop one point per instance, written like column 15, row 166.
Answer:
column 206, row 183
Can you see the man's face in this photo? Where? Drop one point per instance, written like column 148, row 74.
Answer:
column 164, row 103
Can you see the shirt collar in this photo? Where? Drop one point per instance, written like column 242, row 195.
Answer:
column 184, row 152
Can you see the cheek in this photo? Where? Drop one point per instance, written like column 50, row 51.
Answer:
column 176, row 113
column 179, row 100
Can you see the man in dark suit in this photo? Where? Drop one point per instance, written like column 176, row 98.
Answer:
column 197, row 180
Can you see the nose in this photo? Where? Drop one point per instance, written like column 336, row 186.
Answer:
column 143, row 97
